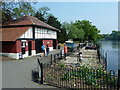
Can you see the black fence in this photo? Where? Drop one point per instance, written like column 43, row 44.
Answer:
column 74, row 76
column 102, row 58
column 78, row 77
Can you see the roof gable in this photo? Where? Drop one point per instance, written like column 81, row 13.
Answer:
column 28, row 20
column 11, row 34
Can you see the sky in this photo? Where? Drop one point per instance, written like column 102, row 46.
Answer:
column 104, row 15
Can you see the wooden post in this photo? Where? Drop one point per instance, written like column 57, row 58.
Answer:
column 118, row 86
column 41, row 81
column 55, row 58
column 61, row 54
column 106, row 61
column 99, row 55
column 103, row 54
column 41, row 67
column 65, row 56
column 51, row 59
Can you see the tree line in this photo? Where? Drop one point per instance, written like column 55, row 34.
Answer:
column 81, row 30
column 115, row 35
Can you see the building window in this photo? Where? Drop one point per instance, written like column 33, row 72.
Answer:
column 48, row 42
column 23, row 45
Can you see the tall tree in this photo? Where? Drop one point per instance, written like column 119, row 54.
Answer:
column 91, row 32
column 115, row 35
column 42, row 14
column 73, row 31
column 13, row 10
column 53, row 21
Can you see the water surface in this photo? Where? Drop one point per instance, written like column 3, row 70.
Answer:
column 111, row 50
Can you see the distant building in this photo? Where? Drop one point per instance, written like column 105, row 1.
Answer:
column 24, row 37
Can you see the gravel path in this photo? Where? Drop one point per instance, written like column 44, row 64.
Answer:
column 90, row 58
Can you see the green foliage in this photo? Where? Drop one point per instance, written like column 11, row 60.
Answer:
column 82, row 30
column 90, row 31
column 53, row 21
column 91, row 77
column 42, row 14
column 13, row 10
column 61, row 65
column 115, row 35
column 72, row 31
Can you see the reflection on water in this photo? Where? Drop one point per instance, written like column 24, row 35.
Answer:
column 111, row 48
column 114, row 44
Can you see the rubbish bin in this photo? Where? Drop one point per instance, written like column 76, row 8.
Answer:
column 20, row 56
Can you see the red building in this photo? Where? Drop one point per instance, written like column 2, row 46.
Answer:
column 24, row 36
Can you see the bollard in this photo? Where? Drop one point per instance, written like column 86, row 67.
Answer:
column 41, row 81
column 118, row 85
column 61, row 54
column 51, row 59
column 55, row 58
column 64, row 56
column 41, row 67
column 101, row 51
column 98, row 55
column 106, row 61
column 103, row 54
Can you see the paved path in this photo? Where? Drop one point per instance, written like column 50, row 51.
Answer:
column 17, row 73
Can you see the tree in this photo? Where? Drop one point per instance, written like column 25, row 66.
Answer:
column 115, row 35
column 73, row 32
column 62, row 36
column 90, row 31
column 13, row 10
column 53, row 21
column 42, row 14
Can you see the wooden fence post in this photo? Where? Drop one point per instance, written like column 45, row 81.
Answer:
column 118, row 86
column 51, row 59
column 61, row 54
column 55, row 58
column 106, row 61
column 103, row 54
column 41, row 68
column 98, row 52
column 41, row 81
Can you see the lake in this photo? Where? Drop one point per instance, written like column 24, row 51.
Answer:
column 112, row 50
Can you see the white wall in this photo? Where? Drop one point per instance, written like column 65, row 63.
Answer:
column 44, row 33
column 40, row 33
column 28, row 34
column 33, row 52
column 16, row 55
column 11, row 55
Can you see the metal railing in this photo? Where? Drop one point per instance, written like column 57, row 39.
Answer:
column 76, row 76
column 68, row 76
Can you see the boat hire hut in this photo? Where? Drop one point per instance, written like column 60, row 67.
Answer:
column 24, row 36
